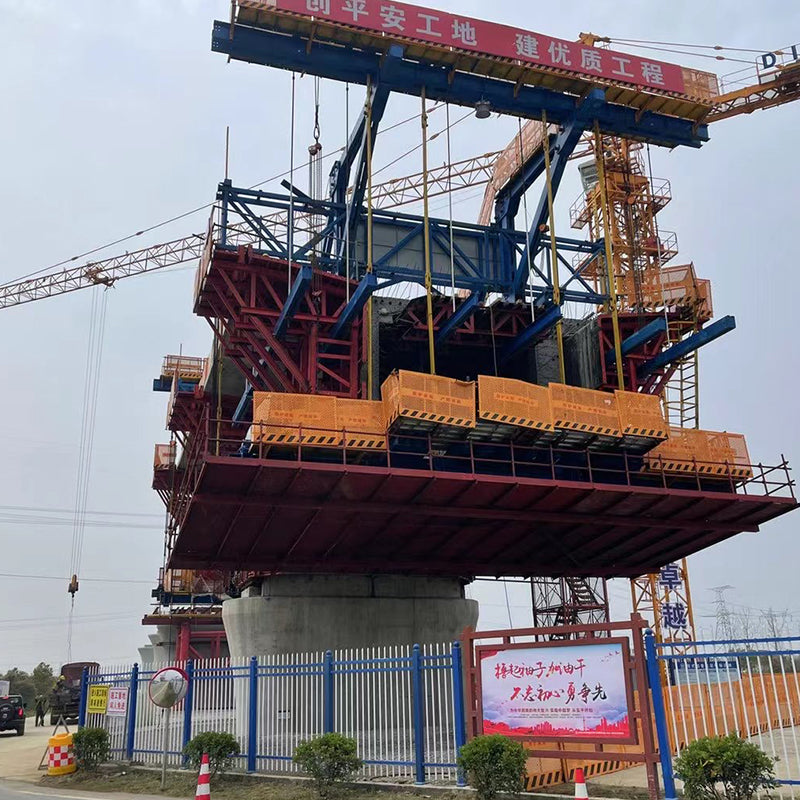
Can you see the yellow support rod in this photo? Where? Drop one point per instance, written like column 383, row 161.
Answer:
column 612, row 283
column 427, row 235
column 370, row 342
column 553, row 252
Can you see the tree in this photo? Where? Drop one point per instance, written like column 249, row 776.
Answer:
column 21, row 683
column 43, row 678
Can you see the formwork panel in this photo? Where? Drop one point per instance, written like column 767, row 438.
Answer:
column 514, row 402
column 362, row 423
column 284, row 418
column 415, row 400
column 641, row 416
column 585, row 411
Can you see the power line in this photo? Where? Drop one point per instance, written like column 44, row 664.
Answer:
column 62, row 578
column 72, row 511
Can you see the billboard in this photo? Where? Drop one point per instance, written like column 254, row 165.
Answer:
column 565, row 691
column 703, row 670
column 459, row 32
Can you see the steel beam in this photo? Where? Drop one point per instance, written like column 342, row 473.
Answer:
column 442, row 84
column 636, row 340
column 299, row 287
column 689, row 345
column 533, row 331
column 244, row 407
column 368, row 284
column 459, row 317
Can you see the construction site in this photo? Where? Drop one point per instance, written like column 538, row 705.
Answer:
column 438, row 364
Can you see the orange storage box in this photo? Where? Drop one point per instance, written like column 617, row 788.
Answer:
column 362, row 423
column 282, row 418
column 431, row 399
column 513, row 402
column 584, row 410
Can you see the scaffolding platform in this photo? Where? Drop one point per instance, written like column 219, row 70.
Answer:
column 470, row 509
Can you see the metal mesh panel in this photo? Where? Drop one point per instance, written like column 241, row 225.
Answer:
column 584, row 410
column 703, row 86
column 514, row 402
column 641, row 415
column 282, row 418
column 362, row 423
column 709, row 452
column 434, row 398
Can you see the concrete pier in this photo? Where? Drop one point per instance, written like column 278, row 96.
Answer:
column 302, row 613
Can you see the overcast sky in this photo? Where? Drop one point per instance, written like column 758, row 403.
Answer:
column 115, row 116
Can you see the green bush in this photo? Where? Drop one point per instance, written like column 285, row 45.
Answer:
column 91, row 746
column 222, row 749
column 493, row 764
column 328, row 759
column 724, row 767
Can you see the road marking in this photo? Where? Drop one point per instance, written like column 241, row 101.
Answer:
column 52, row 794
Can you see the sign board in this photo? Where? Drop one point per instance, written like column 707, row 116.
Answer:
column 98, row 700
column 168, row 687
column 405, row 21
column 703, row 671
column 5, row 688
column 569, row 691
column 117, row 701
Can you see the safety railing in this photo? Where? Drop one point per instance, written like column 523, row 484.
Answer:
column 427, row 452
column 404, row 706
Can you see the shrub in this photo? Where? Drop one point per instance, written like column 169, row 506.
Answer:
column 493, row 764
column 741, row 768
column 328, row 759
column 222, row 749
column 91, row 746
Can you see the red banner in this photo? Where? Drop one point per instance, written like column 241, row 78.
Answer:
column 465, row 33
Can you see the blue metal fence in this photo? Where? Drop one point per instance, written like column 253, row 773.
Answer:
column 749, row 687
column 404, row 706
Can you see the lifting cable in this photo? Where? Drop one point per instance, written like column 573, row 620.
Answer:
column 346, row 226
column 368, row 143
column 291, row 191
column 545, row 143
column 554, row 279
column 426, row 235
column 450, row 209
column 91, row 386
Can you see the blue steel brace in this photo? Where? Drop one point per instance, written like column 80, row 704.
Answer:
column 133, row 696
column 252, row 721
column 418, row 692
column 188, row 702
column 327, row 693
column 650, row 331
column 301, row 283
column 565, row 142
column 84, row 697
column 460, row 720
column 460, row 316
column 660, row 714
column 689, row 345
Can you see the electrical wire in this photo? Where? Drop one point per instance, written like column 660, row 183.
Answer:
column 190, row 213
column 61, row 578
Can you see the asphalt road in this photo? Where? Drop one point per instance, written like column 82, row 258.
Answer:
column 17, row 790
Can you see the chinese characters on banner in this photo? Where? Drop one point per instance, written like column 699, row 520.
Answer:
column 493, row 39
column 674, row 614
column 571, row 691
column 117, row 701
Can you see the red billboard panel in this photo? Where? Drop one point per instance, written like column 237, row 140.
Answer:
column 405, row 21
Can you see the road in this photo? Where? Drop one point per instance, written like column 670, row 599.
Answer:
column 19, row 762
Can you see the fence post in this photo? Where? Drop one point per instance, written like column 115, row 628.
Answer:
column 458, row 707
column 84, row 697
column 419, row 714
column 188, row 701
column 327, row 693
column 252, row 725
column 660, row 715
column 133, row 696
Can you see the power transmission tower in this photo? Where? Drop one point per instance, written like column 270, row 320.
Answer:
column 724, row 626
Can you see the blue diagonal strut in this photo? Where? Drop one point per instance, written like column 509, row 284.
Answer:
column 459, row 317
column 689, row 345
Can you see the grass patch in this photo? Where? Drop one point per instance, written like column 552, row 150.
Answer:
column 226, row 787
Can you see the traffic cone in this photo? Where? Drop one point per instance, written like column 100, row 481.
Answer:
column 203, row 779
column 580, row 785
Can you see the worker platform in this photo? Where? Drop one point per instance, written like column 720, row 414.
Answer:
column 459, row 508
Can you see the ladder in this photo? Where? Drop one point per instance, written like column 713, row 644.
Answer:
column 682, row 397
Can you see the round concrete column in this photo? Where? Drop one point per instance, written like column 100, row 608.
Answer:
column 301, row 613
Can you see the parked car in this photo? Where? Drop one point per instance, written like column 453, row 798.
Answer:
column 12, row 714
